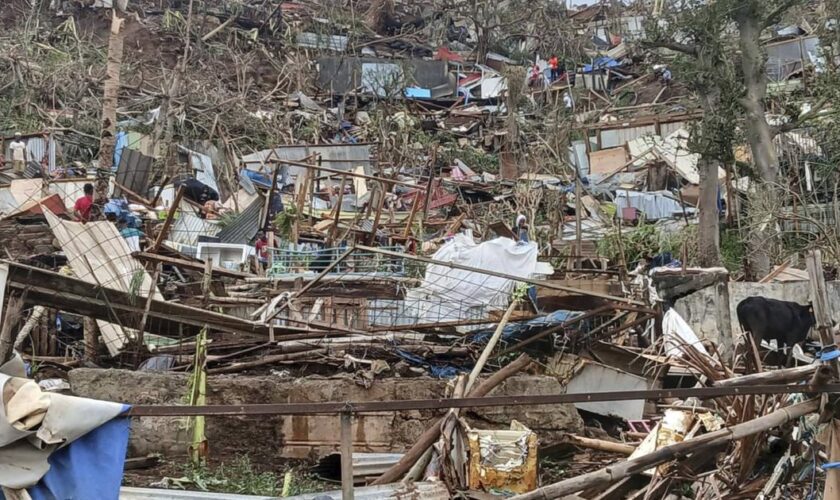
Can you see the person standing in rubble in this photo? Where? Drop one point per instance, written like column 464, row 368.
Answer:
column 261, row 245
column 554, row 64
column 84, row 205
column 665, row 76
column 521, row 230
column 19, row 154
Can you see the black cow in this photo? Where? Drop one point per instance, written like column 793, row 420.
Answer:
column 766, row 319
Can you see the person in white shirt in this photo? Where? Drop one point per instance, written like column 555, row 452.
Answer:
column 19, row 154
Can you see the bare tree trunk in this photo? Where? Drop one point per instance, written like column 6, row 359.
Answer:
column 758, row 131
column 708, row 231
column 111, row 87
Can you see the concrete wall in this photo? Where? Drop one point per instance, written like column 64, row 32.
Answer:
column 700, row 309
column 299, row 436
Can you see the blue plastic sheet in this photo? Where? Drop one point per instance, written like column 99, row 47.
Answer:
column 89, row 468
column 435, row 370
column 603, row 62
column 515, row 331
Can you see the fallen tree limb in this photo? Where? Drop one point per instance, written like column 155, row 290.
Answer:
column 428, row 438
column 616, row 472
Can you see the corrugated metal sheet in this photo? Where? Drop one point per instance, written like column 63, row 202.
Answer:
column 69, row 190
column 134, row 172
column 621, row 136
column 337, row 43
column 8, row 203
column 335, row 156
column 435, row 490
column 188, row 227
column 242, row 229
column 669, row 128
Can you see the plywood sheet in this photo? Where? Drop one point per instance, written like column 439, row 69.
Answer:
column 607, row 161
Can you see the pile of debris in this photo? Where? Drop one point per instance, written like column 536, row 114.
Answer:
column 384, row 201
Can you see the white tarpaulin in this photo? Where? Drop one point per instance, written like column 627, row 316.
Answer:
column 98, row 254
column 654, row 204
column 677, row 333
column 448, row 294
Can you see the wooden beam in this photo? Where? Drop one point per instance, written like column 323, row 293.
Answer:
column 337, row 208
column 132, row 194
column 142, row 328
column 380, row 202
column 346, row 455
column 87, row 299
column 168, row 222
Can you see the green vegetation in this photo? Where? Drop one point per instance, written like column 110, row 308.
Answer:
column 733, row 249
column 648, row 239
column 237, row 476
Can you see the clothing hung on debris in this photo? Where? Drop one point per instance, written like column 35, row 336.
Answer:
column 655, row 205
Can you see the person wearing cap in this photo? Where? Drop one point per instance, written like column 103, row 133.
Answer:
column 19, row 154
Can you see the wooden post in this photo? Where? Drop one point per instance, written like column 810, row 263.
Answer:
column 208, row 278
column 819, row 300
column 168, row 222
column 337, row 208
column 91, row 335
column 427, row 201
column 142, row 327
column 578, row 222
column 724, row 316
column 380, row 202
column 346, row 455
column 271, row 194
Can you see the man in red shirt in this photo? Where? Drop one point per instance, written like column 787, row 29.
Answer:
column 84, row 204
column 554, row 64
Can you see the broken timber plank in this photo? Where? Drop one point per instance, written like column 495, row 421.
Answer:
column 87, row 299
column 168, row 222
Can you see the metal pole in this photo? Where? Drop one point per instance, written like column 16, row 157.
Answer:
column 346, row 455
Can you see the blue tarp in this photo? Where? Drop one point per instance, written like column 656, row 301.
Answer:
column 602, row 62
column 521, row 330
column 418, row 93
column 89, row 468
column 257, row 178
column 435, row 370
